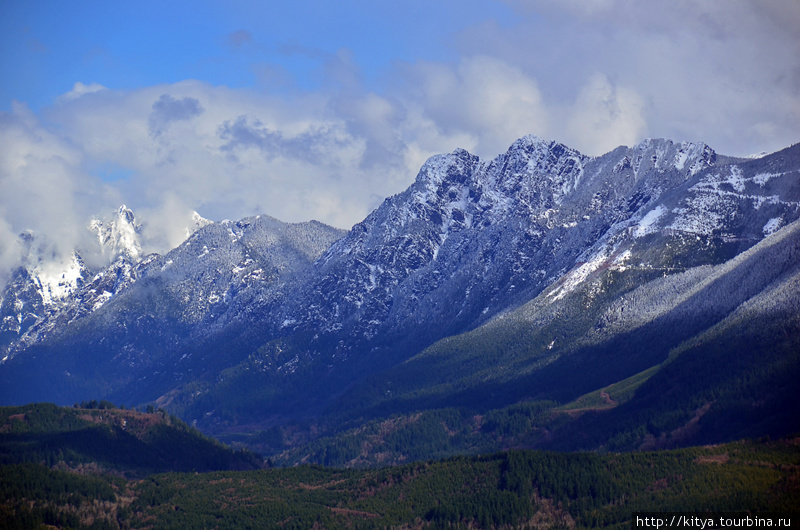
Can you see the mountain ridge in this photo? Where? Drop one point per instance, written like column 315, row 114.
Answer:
column 230, row 343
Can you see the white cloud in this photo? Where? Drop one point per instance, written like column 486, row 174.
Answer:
column 228, row 153
column 164, row 224
column 727, row 73
column 486, row 99
column 42, row 186
column 328, row 156
column 79, row 89
column 604, row 117
column 10, row 251
column 191, row 146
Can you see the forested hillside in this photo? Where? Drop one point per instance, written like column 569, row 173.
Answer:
column 517, row 489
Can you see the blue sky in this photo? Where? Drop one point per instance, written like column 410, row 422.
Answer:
column 319, row 110
column 48, row 46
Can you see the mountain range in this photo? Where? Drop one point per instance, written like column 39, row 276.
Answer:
column 647, row 297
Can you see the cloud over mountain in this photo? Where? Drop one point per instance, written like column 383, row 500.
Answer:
column 330, row 139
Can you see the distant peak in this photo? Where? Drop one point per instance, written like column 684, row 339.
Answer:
column 119, row 235
column 198, row 222
column 438, row 167
column 649, row 143
column 534, row 147
column 530, row 140
column 197, row 218
column 125, row 214
column 459, row 152
column 690, row 157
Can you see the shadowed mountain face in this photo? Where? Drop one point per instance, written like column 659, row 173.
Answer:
column 566, row 273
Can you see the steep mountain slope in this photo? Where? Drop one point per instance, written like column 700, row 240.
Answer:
column 620, row 362
column 704, row 356
column 620, row 321
column 472, row 239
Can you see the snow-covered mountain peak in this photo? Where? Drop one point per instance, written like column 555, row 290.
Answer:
column 530, row 141
column 118, row 236
column 664, row 154
column 541, row 171
column 457, row 165
column 537, row 153
column 530, row 165
column 56, row 280
column 198, row 222
column 125, row 215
